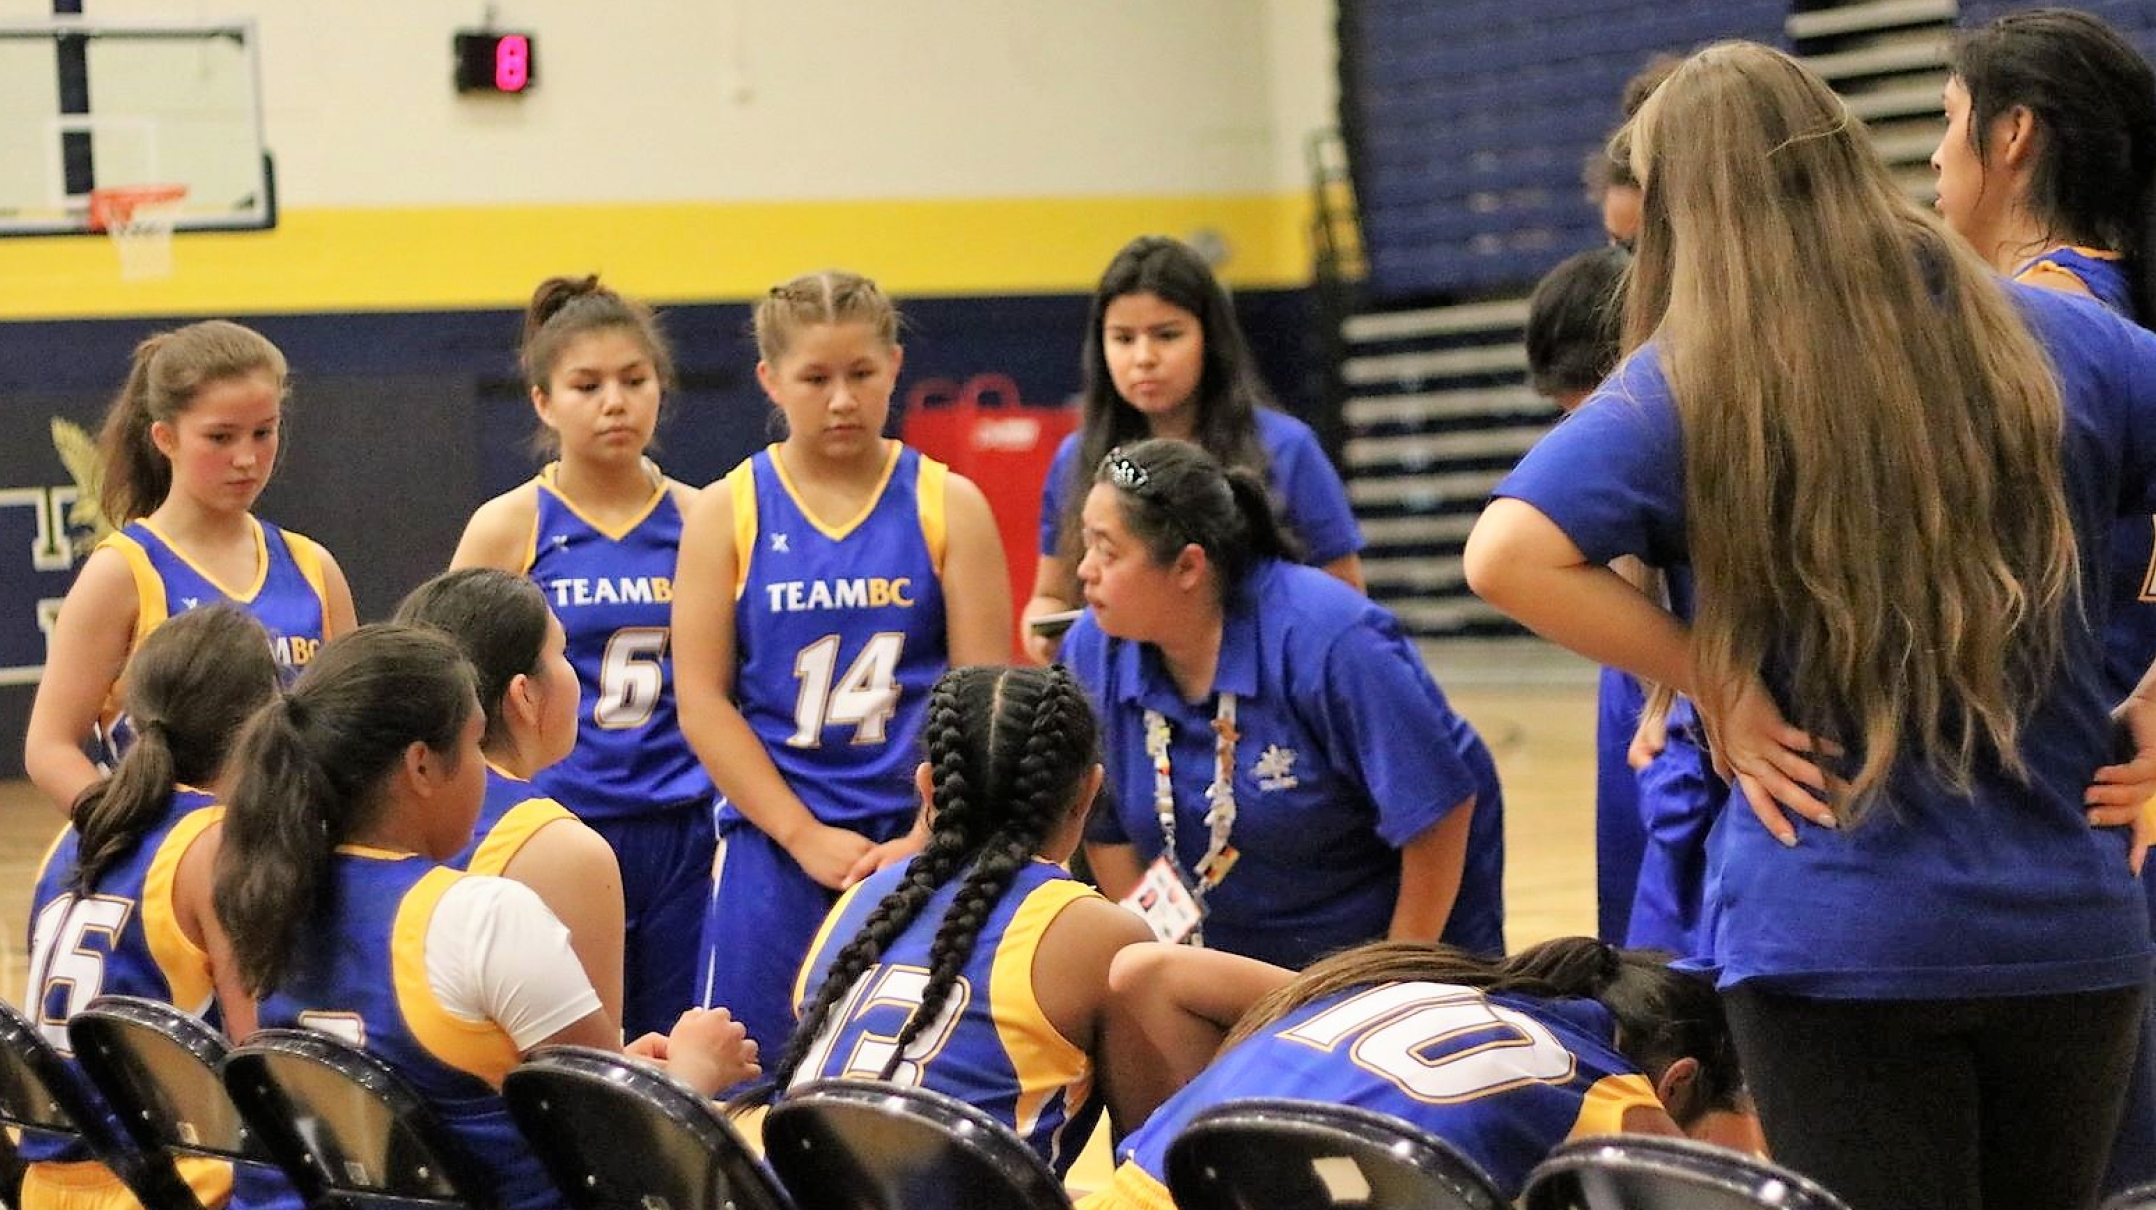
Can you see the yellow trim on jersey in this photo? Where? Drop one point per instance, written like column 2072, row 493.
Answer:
column 89, row 1185
column 1044, row 1061
column 480, row 1048
column 1131, row 1188
column 307, row 556
column 741, row 482
column 185, row 965
column 928, row 491
column 1602, row 1110
column 868, row 507
column 513, row 831
column 531, row 539
column 44, row 864
column 373, row 852
column 823, row 937
column 552, row 470
column 2035, row 272
column 261, row 561
column 151, row 608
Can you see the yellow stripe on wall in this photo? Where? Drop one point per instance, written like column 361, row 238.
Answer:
column 473, row 257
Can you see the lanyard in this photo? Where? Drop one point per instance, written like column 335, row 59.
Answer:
column 1219, row 797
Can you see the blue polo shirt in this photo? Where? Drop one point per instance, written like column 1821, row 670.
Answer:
column 2005, row 891
column 1348, row 752
column 1312, row 499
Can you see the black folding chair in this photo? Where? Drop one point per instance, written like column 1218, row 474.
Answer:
column 615, row 1133
column 1268, row 1154
column 860, row 1145
column 158, row 1068
column 1638, row 1171
column 336, row 1118
column 42, row 1095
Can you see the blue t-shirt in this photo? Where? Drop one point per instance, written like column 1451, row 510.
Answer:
column 1311, row 496
column 2130, row 637
column 2006, row 891
column 1348, row 751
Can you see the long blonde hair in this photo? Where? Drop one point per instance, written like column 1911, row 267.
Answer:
column 1871, row 433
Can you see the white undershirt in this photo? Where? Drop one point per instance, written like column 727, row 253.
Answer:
column 496, row 953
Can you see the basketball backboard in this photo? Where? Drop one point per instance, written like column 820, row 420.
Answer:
column 88, row 104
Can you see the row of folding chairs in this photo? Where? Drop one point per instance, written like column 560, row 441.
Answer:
column 616, row 1134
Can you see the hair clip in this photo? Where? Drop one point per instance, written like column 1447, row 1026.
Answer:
column 1125, row 473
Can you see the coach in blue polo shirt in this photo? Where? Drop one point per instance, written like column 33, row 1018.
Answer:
column 1286, row 779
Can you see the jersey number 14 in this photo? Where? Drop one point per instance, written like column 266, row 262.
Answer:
column 866, row 696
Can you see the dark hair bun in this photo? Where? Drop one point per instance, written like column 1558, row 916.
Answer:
column 555, row 293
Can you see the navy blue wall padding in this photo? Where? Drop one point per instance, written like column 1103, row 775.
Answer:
column 1468, row 123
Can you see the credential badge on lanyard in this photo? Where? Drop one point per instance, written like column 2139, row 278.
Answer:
column 1169, row 897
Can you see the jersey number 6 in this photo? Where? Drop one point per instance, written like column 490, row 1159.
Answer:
column 631, row 677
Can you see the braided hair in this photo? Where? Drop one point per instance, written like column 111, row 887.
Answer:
column 1007, row 748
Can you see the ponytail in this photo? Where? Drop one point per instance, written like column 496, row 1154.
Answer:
column 1175, row 494
column 111, row 816
column 136, row 475
column 167, row 371
column 311, row 764
column 190, row 687
column 1007, row 748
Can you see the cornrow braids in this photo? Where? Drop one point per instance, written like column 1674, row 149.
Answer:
column 950, row 842
column 1039, row 794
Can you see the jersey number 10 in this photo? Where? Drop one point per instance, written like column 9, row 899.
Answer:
column 1439, row 1043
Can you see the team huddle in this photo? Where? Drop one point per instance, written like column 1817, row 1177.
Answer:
column 741, row 779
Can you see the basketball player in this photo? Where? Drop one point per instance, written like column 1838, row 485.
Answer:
column 825, row 584
column 598, row 530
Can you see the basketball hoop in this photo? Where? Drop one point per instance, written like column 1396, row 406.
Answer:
column 139, row 219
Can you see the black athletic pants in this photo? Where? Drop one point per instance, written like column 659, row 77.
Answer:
column 2007, row 1103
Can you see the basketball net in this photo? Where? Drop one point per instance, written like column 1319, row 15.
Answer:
column 139, row 218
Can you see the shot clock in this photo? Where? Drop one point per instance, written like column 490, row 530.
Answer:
column 496, row 62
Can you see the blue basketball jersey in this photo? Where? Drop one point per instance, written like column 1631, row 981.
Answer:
column 364, row 979
column 288, row 597
column 992, row 1046
column 1503, row 1078
column 512, row 813
column 840, row 632
column 613, row 590
column 123, row 938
